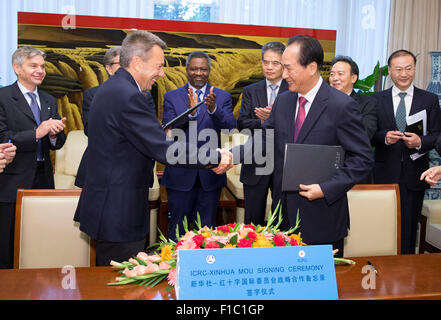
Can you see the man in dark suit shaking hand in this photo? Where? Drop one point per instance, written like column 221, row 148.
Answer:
column 125, row 138
column 312, row 112
column 400, row 156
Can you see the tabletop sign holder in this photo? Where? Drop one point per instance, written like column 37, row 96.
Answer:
column 276, row 273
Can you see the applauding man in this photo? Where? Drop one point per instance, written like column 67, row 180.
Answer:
column 29, row 119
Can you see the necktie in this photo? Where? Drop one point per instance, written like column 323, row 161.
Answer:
column 198, row 93
column 273, row 88
column 400, row 115
column 300, row 117
column 36, row 112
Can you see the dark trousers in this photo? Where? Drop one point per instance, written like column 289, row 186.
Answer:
column 411, row 205
column 188, row 203
column 107, row 251
column 255, row 200
column 7, row 220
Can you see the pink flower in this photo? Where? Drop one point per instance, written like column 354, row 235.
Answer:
column 252, row 235
column 212, row 245
column 172, row 277
column 278, row 241
column 268, row 235
column 152, row 267
column 134, row 261
column 198, row 239
column 153, row 258
column 221, row 239
column 244, row 243
column 143, row 256
column 283, row 236
column 164, row 266
column 187, row 244
column 115, row 264
column 129, row 273
column 188, row 235
column 140, row 270
column 293, row 242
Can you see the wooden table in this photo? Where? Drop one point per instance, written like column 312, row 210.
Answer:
column 399, row 277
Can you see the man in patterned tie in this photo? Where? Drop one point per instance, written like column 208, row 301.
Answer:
column 401, row 156
column 196, row 190
column 257, row 101
column 329, row 117
column 29, row 119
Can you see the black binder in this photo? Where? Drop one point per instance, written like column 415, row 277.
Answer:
column 310, row 164
column 416, row 128
column 182, row 118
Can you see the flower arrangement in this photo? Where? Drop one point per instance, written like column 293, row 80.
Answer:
column 149, row 270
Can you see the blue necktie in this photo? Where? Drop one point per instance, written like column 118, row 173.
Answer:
column 198, row 93
column 36, row 112
column 400, row 115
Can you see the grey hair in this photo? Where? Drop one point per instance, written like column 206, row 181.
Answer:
column 273, row 46
column 198, row 54
column 138, row 43
column 26, row 52
column 111, row 54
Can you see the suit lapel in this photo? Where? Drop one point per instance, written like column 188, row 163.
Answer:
column 262, row 97
column 45, row 107
column 388, row 106
column 21, row 103
column 415, row 107
column 318, row 106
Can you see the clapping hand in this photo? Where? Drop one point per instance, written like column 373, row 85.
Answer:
column 210, row 100
column 7, row 154
column 226, row 162
column 51, row 127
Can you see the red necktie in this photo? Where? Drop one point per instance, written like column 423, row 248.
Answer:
column 300, row 117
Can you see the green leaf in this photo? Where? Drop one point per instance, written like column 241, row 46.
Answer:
column 233, row 239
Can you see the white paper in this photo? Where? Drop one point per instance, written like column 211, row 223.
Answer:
column 422, row 115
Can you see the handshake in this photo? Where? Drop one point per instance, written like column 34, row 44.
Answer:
column 7, row 154
column 226, row 162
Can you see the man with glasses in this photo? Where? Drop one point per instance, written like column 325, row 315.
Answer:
column 401, row 156
column 257, row 101
column 191, row 191
column 111, row 63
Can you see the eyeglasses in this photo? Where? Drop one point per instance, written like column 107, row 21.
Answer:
column 274, row 63
column 407, row 69
column 114, row 63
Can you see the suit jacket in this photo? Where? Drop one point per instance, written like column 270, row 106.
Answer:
column 175, row 103
column 125, row 138
column 333, row 119
column 368, row 110
column 87, row 101
column 387, row 167
column 18, row 124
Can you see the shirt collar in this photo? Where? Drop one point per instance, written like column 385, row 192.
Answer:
column 202, row 89
column 268, row 83
column 25, row 91
column 310, row 96
column 409, row 91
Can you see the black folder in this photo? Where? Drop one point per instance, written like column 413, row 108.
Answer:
column 310, row 164
column 416, row 128
column 182, row 118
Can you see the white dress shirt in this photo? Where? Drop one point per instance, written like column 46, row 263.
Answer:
column 268, row 89
column 310, row 96
column 28, row 99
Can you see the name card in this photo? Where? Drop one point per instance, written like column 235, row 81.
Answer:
column 277, row 273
